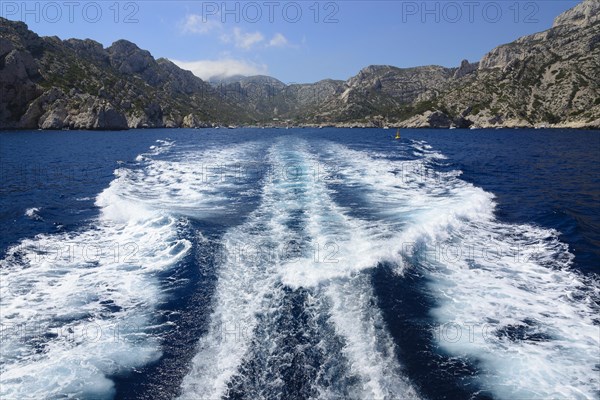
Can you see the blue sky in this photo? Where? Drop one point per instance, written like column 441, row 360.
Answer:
column 302, row 41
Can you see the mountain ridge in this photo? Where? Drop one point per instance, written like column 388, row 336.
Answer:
column 547, row 79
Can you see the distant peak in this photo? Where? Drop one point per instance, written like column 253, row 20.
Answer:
column 123, row 44
column 465, row 68
column 375, row 68
column 585, row 13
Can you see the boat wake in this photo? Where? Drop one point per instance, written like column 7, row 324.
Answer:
column 295, row 313
column 506, row 298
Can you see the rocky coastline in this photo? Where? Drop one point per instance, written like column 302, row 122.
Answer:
column 549, row 79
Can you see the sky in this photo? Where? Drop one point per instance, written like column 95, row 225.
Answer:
column 294, row 41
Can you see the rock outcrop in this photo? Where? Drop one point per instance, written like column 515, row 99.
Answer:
column 551, row 78
column 465, row 69
column 77, row 84
column 56, row 110
column 584, row 14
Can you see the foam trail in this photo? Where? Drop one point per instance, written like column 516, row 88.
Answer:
column 192, row 183
column 75, row 306
column 524, row 315
column 297, row 212
column 344, row 248
column 358, row 246
column 367, row 345
column 244, row 280
column 78, row 307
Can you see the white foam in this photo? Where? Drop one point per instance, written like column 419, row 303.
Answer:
column 368, row 346
column 340, row 246
column 192, row 183
column 355, row 246
column 141, row 214
column 532, row 318
column 33, row 213
column 77, row 307
column 486, row 278
column 246, row 284
column 244, row 279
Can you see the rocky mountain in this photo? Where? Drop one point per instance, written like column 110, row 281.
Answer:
column 260, row 95
column 269, row 99
column 550, row 78
column 547, row 79
column 382, row 93
column 78, row 84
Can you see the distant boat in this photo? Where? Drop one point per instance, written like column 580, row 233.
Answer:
column 398, row 134
column 386, row 127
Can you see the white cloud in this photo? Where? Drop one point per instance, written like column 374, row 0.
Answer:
column 243, row 40
column 278, row 41
column 223, row 68
column 197, row 24
column 194, row 23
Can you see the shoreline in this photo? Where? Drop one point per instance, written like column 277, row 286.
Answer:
column 284, row 127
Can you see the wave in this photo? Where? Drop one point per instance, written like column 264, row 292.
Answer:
column 78, row 307
column 506, row 295
column 34, row 214
column 294, row 311
column 296, row 245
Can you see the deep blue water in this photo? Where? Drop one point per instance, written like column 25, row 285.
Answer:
column 302, row 263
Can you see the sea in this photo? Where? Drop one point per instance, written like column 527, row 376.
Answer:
column 300, row 264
